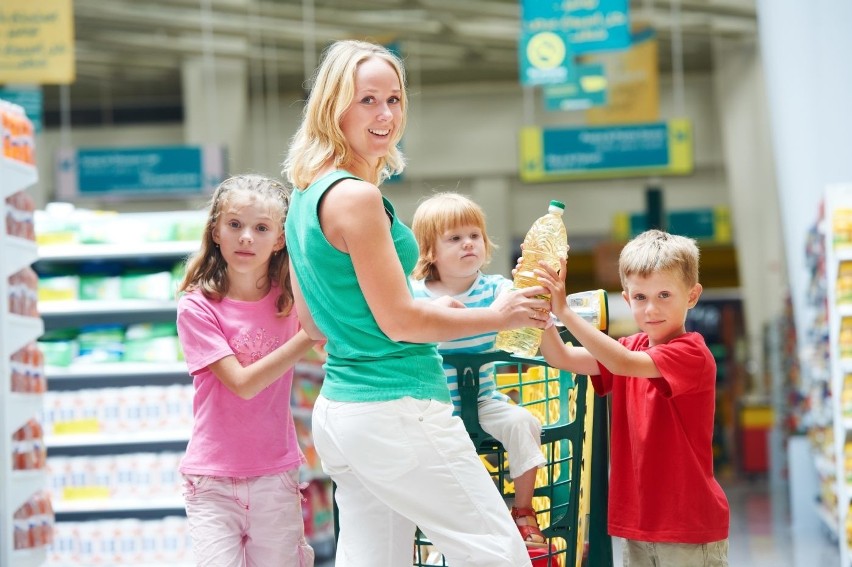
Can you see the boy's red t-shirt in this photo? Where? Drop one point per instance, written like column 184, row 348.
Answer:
column 662, row 487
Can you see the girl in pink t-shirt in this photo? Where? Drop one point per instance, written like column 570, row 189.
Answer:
column 241, row 339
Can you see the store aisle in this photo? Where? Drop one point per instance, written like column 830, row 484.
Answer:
column 761, row 535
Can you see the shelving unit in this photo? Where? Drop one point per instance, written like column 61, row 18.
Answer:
column 92, row 505
column 69, row 314
column 838, row 283
column 15, row 332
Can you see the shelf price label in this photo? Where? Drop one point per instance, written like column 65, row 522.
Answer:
column 78, row 493
column 77, row 427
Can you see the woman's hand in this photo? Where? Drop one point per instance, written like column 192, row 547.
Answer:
column 523, row 308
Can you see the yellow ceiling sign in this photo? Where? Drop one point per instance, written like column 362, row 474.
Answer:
column 36, row 41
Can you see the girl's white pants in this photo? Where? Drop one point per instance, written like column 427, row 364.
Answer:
column 406, row 463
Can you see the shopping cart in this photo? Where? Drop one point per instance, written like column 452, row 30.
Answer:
column 571, row 489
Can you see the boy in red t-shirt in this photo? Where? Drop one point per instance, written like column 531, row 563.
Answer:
column 663, row 497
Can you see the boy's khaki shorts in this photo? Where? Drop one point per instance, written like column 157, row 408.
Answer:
column 651, row 554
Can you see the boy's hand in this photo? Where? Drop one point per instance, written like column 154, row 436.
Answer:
column 555, row 284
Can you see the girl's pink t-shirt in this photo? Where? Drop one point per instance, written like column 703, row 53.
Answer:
column 231, row 436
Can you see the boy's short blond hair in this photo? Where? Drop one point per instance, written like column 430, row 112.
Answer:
column 435, row 216
column 657, row 251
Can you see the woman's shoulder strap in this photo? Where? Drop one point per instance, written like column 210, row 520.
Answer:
column 334, row 177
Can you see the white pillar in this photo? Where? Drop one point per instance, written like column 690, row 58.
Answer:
column 747, row 149
column 492, row 194
column 215, row 94
column 805, row 48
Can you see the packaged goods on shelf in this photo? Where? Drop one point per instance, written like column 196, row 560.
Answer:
column 20, row 208
column 122, row 542
column 28, row 448
column 18, row 133
column 64, row 224
column 135, row 410
column 27, row 369
column 34, row 522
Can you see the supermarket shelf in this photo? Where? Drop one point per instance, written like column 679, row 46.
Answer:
column 113, row 439
column 21, row 408
column 86, row 252
column 115, row 369
column 828, row 520
column 16, row 176
column 118, row 505
column 825, row 466
column 20, row 330
column 29, row 557
column 116, row 375
column 60, row 314
column 24, row 485
column 18, row 253
column 112, row 308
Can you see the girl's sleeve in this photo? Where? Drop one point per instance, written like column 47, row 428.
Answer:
column 200, row 335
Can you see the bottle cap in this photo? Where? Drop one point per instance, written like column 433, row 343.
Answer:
column 559, row 204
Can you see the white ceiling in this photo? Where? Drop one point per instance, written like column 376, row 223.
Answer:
column 129, row 52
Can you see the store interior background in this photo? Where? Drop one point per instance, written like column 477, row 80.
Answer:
column 769, row 109
column 466, row 111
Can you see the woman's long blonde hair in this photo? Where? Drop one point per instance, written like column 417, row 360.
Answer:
column 207, row 271
column 319, row 137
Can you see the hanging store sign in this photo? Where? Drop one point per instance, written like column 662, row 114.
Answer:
column 36, row 42
column 662, row 148
column 588, row 25
column 139, row 173
column 587, row 90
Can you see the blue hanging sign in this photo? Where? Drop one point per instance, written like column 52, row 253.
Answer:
column 139, row 173
column 589, row 25
column 663, row 148
column 545, row 58
column 587, row 90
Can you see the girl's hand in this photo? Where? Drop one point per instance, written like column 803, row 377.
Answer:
column 555, row 284
column 522, row 308
column 448, row 301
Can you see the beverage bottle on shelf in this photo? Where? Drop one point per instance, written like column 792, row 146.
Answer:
column 546, row 240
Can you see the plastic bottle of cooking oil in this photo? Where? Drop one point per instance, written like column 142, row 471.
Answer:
column 546, row 240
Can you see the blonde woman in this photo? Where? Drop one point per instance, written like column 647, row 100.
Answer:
column 383, row 424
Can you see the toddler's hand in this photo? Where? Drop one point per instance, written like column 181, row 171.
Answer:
column 448, row 301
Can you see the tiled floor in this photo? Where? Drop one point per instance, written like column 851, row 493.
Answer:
column 761, row 534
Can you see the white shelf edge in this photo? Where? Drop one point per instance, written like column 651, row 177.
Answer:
column 93, row 307
column 129, row 438
column 117, row 505
column 18, row 253
column 31, row 557
column 80, row 252
column 20, row 330
column 115, row 369
column 20, row 408
column 24, row 484
column 17, row 176
column 827, row 519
